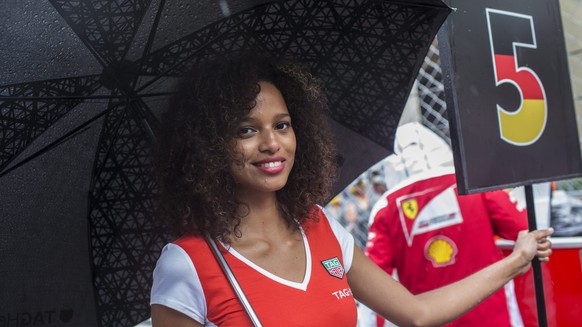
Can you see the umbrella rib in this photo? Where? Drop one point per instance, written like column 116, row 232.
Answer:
column 84, row 40
column 152, row 34
column 108, row 150
column 155, row 79
column 151, row 37
column 138, row 113
column 84, row 97
column 79, row 129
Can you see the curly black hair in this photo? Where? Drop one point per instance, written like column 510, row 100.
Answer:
column 195, row 145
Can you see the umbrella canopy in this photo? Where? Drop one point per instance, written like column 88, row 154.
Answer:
column 80, row 89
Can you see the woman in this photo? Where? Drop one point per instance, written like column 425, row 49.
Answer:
column 246, row 157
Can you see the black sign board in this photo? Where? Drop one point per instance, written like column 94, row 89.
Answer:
column 508, row 94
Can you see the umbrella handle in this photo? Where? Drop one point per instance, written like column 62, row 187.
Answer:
column 232, row 280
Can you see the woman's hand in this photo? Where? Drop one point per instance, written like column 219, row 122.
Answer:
column 532, row 244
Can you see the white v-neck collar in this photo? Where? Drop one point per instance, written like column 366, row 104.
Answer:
column 307, row 276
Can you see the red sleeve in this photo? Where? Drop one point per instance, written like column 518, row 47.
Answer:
column 506, row 218
column 378, row 247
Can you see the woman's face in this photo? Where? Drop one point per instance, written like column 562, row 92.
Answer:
column 264, row 145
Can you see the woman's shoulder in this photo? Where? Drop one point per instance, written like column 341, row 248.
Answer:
column 317, row 217
column 174, row 263
column 194, row 246
column 188, row 239
column 178, row 259
column 323, row 221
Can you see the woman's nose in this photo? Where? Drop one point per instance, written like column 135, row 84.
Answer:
column 269, row 142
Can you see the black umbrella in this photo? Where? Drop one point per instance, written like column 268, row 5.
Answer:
column 81, row 85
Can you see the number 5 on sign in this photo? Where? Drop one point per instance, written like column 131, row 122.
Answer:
column 508, row 32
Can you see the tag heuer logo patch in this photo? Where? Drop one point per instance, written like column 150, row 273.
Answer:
column 334, row 267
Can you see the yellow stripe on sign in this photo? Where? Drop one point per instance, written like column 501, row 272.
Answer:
column 524, row 126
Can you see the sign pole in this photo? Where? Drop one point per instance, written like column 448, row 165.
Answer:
column 536, row 265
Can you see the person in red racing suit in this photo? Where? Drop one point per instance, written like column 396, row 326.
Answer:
column 432, row 236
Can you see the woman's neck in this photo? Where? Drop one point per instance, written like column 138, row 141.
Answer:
column 261, row 217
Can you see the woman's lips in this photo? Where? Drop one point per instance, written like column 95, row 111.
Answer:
column 271, row 167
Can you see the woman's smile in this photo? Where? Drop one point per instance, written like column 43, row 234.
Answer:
column 271, row 166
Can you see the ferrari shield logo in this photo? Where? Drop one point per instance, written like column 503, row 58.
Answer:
column 334, row 267
column 410, row 208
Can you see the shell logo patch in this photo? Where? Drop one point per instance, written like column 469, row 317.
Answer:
column 334, row 267
column 440, row 251
column 410, row 208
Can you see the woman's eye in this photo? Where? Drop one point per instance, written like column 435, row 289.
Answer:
column 245, row 131
column 283, row 125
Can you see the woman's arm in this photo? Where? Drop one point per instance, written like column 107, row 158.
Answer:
column 389, row 298
column 165, row 317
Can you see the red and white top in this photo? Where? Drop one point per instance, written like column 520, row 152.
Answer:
column 188, row 279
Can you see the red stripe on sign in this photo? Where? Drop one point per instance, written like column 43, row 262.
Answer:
column 526, row 79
